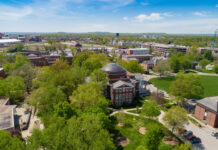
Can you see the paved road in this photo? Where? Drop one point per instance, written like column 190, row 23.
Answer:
column 208, row 142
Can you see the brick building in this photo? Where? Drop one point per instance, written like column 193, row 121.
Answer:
column 122, row 86
column 207, row 111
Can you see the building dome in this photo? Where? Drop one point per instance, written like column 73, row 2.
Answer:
column 114, row 69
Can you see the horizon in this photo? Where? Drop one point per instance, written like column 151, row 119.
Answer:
column 114, row 16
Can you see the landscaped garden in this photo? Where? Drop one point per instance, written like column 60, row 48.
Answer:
column 132, row 132
column 210, row 84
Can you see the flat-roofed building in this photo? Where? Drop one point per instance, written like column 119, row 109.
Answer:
column 6, row 115
column 8, row 42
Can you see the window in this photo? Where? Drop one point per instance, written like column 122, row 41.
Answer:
column 123, row 89
column 120, row 90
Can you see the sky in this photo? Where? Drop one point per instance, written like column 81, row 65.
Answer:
column 123, row 16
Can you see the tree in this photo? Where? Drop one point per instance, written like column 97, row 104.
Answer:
column 64, row 109
column 162, row 67
column 208, row 55
column 185, row 146
column 216, row 68
column 45, row 99
column 99, row 76
column 186, row 86
column 27, row 72
column 9, row 142
column 86, row 132
column 175, row 64
column 204, row 62
column 153, row 137
column 150, row 109
column 13, row 87
column 89, row 95
column 175, row 118
column 193, row 54
column 133, row 67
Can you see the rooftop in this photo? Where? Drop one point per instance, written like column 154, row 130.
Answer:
column 114, row 69
column 210, row 102
column 3, row 41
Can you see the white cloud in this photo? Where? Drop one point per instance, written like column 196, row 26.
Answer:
column 201, row 14
column 216, row 5
column 12, row 13
column 152, row 16
column 125, row 18
column 144, row 4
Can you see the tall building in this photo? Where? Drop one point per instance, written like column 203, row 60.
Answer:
column 122, row 86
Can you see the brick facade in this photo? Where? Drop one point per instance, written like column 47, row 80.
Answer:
column 204, row 114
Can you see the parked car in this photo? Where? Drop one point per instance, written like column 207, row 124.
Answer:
column 188, row 133
column 195, row 140
column 182, row 131
column 214, row 133
column 191, row 137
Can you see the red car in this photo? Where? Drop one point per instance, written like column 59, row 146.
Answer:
column 191, row 137
column 181, row 131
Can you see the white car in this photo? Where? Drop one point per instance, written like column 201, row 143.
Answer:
column 214, row 134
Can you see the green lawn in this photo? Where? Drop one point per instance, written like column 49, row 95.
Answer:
column 130, row 130
column 210, row 84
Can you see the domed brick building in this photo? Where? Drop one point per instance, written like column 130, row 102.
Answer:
column 122, row 86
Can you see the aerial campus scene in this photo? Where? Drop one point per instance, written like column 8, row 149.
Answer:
column 108, row 75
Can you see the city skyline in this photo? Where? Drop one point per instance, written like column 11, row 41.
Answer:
column 132, row 16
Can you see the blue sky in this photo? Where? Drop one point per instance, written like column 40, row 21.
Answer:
column 169, row 16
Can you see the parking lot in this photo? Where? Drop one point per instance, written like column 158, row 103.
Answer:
column 208, row 142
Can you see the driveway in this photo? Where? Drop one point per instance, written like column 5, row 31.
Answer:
column 208, row 142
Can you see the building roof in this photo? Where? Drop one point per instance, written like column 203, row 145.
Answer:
column 210, row 103
column 5, row 41
column 114, row 69
column 120, row 83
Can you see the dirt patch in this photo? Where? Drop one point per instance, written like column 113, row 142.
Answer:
column 170, row 140
column 142, row 130
column 120, row 124
column 121, row 140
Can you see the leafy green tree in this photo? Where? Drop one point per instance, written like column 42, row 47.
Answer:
column 153, row 137
column 216, row 68
column 204, row 63
column 162, row 67
column 9, row 142
column 185, row 62
column 150, row 109
column 82, row 98
column 45, row 99
column 13, row 87
column 208, row 55
column 64, row 109
column 80, row 58
column 99, row 76
column 186, row 86
column 185, row 146
column 27, row 72
column 175, row 64
column 92, row 64
column 193, row 54
column 86, row 132
column 133, row 66
column 175, row 118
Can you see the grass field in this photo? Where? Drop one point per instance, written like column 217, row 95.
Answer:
column 210, row 84
column 131, row 131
